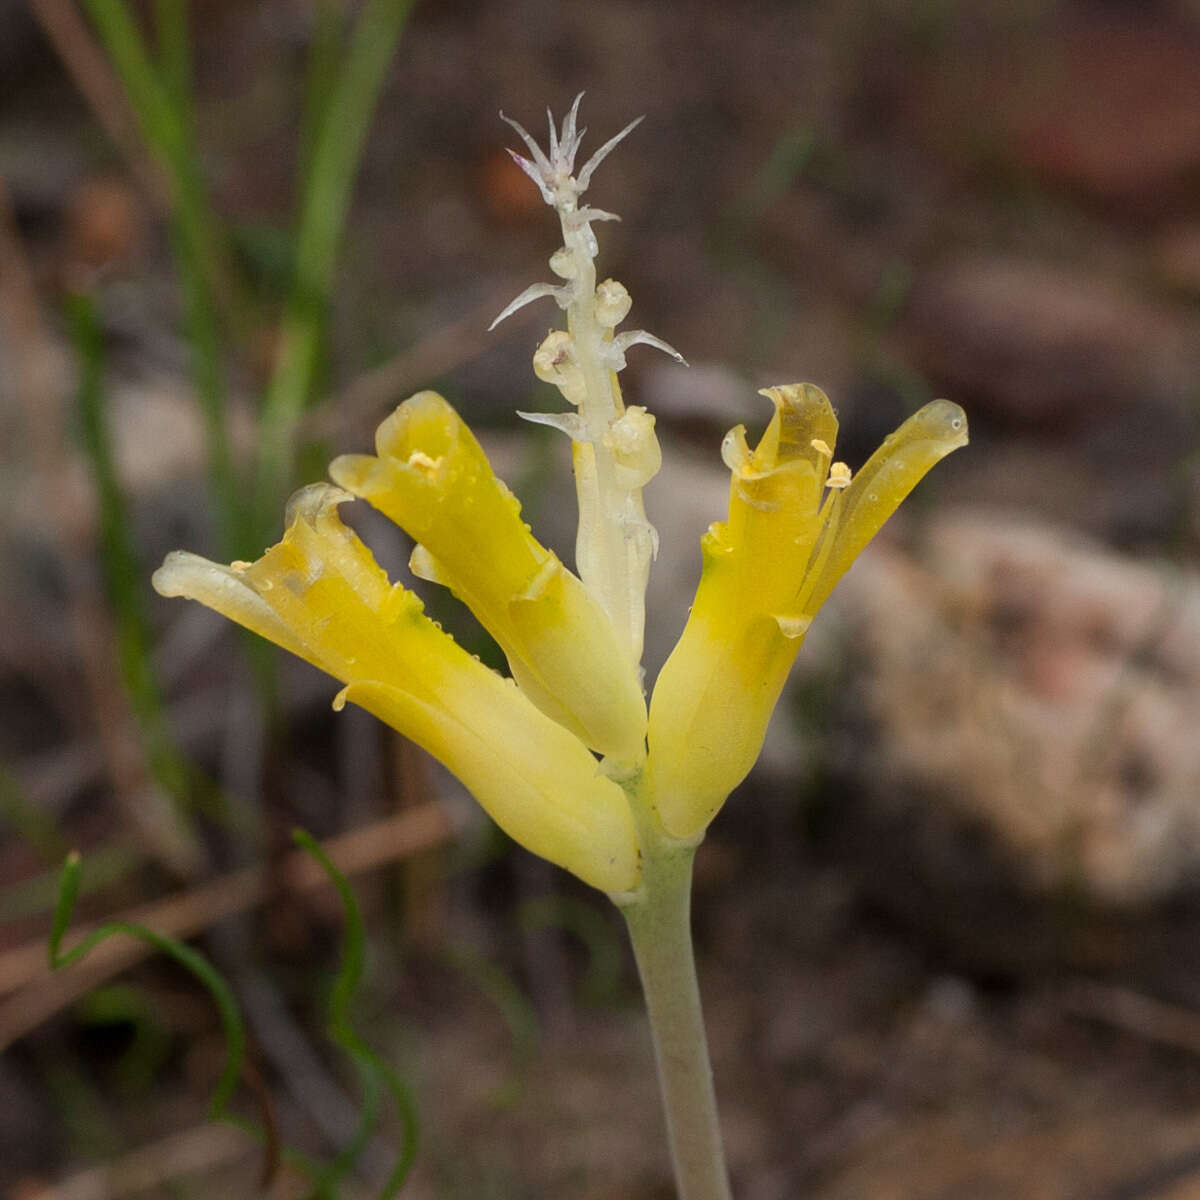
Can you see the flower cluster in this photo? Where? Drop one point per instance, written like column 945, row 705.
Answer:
column 563, row 754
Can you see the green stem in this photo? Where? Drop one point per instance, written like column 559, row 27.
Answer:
column 162, row 102
column 332, row 164
column 659, row 918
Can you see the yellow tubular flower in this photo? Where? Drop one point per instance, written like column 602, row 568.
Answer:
column 320, row 594
column 796, row 523
column 433, row 479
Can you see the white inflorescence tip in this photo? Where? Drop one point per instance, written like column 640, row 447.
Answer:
column 554, row 173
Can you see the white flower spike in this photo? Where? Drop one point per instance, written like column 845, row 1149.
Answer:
column 615, row 451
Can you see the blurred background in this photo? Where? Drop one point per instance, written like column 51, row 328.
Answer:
column 949, row 930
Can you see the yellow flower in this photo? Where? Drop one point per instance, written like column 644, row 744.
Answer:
column 796, row 523
column 320, row 594
column 433, row 479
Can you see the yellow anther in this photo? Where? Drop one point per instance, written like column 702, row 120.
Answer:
column 418, row 458
column 839, row 476
column 821, row 447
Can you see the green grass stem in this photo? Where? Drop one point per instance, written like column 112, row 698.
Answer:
column 191, row 960
column 374, row 1074
column 327, row 187
column 124, row 576
column 163, row 110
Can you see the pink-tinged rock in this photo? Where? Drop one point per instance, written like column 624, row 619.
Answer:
column 1031, row 703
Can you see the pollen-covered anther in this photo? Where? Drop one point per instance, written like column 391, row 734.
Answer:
column 554, row 173
column 839, row 476
column 423, row 462
column 735, row 453
column 821, row 447
column 613, row 303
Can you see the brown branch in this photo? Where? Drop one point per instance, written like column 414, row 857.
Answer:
column 1134, row 1013
column 203, row 1148
column 42, row 992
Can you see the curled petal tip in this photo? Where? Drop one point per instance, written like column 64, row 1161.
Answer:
column 313, row 501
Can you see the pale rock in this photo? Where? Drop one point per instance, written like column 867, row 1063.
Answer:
column 1040, row 692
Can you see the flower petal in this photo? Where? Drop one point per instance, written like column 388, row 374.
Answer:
column 533, row 778
column 715, row 695
column 225, row 590
column 884, row 481
column 767, row 570
column 320, row 593
column 433, row 479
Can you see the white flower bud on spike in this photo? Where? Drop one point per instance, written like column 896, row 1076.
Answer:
column 562, row 263
column 616, row 451
column 554, row 363
column 635, row 448
column 613, row 303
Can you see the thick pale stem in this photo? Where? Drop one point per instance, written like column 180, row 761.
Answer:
column 616, row 452
column 608, row 551
column 659, row 920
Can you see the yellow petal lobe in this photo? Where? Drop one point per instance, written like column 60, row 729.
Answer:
column 320, row 593
column 796, row 523
column 432, row 478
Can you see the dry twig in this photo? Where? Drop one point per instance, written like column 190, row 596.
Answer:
column 203, row 1148
column 1135, row 1013
column 37, row 993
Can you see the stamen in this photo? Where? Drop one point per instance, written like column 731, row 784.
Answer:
column 839, row 476
column 421, row 460
column 829, row 518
